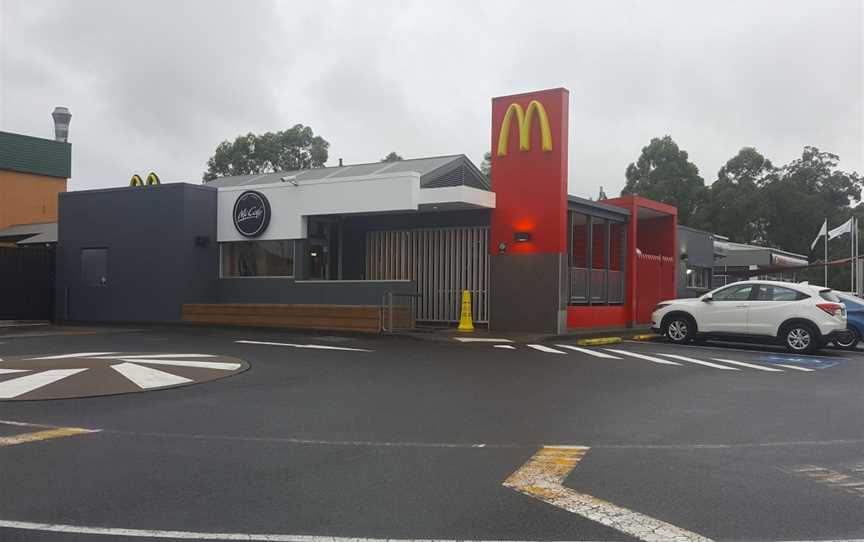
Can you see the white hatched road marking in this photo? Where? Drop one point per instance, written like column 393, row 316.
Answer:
column 595, row 353
column 481, row 340
column 157, row 356
column 5, row 371
column 543, row 348
column 146, row 378
column 76, row 355
column 700, row 362
column 185, row 363
column 750, row 365
column 796, row 368
column 313, row 346
column 23, row 384
column 642, row 356
column 505, row 346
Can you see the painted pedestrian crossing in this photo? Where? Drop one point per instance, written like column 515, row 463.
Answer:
column 763, row 363
column 88, row 374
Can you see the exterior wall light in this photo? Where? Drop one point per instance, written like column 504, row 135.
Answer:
column 521, row 236
column 502, row 247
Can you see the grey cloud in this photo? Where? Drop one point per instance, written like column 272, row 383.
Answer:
column 158, row 84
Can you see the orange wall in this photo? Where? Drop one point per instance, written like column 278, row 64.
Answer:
column 28, row 199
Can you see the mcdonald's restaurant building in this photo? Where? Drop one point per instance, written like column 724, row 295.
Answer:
column 373, row 246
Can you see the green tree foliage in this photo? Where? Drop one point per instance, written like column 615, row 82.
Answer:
column 733, row 205
column 295, row 148
column 392, row 157
column 486, row 166
column 664, row 173
column 807, row 190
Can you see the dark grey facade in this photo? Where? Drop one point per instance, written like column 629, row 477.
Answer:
column 695, row 261
column 524, row 287
column 155, row 247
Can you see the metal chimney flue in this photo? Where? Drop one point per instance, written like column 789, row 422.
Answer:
column 62, row 116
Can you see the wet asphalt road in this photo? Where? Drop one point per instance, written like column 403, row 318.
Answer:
column 413, row 439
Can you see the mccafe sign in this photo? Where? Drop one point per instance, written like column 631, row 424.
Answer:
column 251, row 213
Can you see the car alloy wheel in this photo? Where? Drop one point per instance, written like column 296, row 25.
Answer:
column 799, row 339
column 677, row 331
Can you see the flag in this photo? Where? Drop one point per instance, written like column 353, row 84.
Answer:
column 822, row 231
column 844, row 228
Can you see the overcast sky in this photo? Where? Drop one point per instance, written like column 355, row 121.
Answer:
column 156, row 85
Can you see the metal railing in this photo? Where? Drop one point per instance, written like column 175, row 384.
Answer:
column 398, row 312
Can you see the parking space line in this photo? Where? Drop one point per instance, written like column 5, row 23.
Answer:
column 58, row 432
column 595, row 353
column 642, row 356
column 481, row 340
column 543, row 348
column 796, row 368
column 750, row 365
column 700, row 362
column 504, row 346
column 312, row 346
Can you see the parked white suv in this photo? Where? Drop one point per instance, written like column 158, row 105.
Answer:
column 802, row 317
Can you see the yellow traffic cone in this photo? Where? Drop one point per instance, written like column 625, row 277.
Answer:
column 466, row 323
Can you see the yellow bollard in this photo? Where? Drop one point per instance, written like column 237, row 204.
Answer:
column 466, row 323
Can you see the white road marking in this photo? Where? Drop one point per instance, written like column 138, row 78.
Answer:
column 700, row 362
column 76, row 355
column 158, row 356
column 185, row 363
column 543, row 348
column 542, row 477
column 596, row 353
column 23, row 384
column 481, row 340
column 314, row 346
column 750, row 365
column 505, row 346
column 5, row 371
column 23, row 325
column 794, row 367
column 146, row 378
column 642, row 356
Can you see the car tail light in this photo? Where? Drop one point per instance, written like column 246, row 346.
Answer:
column 834, row 309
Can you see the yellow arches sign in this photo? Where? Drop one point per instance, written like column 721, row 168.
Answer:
column 523, row 120
column 152, row 179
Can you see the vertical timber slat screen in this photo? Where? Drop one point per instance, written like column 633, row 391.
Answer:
column 443, row 262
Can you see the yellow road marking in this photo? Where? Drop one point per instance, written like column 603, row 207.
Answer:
column 59, row 432
column 542, row 477
column 598, row 340
column 644, row 337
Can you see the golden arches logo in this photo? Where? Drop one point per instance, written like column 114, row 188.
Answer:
column 523, row 120
column 152, row 179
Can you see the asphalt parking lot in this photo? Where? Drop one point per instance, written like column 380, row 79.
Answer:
column 398, row 438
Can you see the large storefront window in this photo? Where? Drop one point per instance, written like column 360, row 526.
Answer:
column 596, row 260
column 257, row 259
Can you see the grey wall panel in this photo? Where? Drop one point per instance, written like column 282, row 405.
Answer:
column 526, row 292
column 699, row 248
column 277, row 290
column 154, row 263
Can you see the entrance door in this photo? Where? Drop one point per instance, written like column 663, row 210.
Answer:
column 318, row 255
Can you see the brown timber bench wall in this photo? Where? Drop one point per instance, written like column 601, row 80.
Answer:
column 365, row 318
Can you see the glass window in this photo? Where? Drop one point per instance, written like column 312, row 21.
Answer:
column 596, row 260
column 94, row 266
column 733, row 293
column 769, row 292
column 257, row 259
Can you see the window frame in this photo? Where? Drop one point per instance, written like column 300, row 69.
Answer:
column 292, row 276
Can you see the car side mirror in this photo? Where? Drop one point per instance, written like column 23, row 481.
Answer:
column 707, row 299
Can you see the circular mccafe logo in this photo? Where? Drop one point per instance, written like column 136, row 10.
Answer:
column 251, row 213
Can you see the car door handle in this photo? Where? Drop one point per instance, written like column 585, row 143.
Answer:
column 741, row 306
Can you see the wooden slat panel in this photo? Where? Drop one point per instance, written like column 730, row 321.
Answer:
column 338, row 317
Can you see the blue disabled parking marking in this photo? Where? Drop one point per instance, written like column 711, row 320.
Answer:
column 808, row 362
